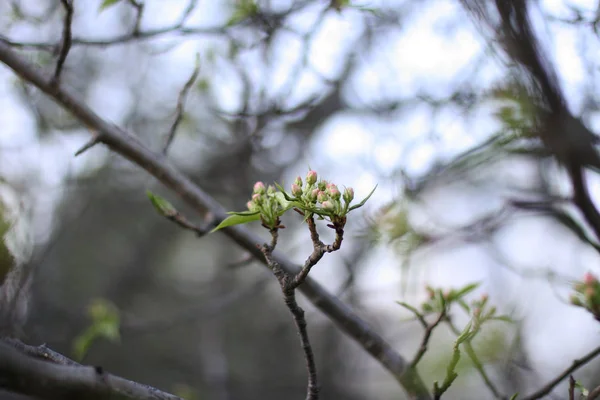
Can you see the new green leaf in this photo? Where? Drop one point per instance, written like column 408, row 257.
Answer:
column 162, row 206
column 237, row 219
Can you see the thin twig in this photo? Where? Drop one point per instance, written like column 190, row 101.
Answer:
column 571, row 387
column 547, row 388
column 289, row 296
column 426, row 337
column 181, row 104
column 187, row 12
column 89, row 144
column 139, row 11
column 594, row 394
column 66, row 39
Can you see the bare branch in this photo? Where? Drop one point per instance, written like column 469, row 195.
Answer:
column 426, row 337
column 120, row 39
column 59, row 379
column 139, row 11
column 160, row 167
column 66, row 39
column 181, row 103
column 574, row 367
column 288, row 288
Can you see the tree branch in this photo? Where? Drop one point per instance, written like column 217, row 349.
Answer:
column 22, row 373
column 574, row 367
column 159, row 166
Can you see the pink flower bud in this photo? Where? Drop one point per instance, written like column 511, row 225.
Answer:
column 333, row 191
column 589, row 279
column 298, row 181
column 327, row 205
column 259, row 187
column 257, row 198
column 250, row 206
column 322, row 196
column 313, row 195
column 296, row 190
column 311, row 177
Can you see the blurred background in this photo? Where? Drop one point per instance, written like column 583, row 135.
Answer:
column 409, row 95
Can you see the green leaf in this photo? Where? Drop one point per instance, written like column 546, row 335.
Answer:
column 105, row 324
column 466, row 290
column 362, row 203
column 106, row 4
column 283, row 192
column 243, row 213
column 237, row 219
column 504, row 318
column 162, row 206
column 514, row 396
column 411, row 309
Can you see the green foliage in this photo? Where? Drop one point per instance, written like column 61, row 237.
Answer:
column 105, row 324
column 439, row 303
column 237, row 219
column 243, row 9
column 106, row 4
column 6, row 257
column 161, row 205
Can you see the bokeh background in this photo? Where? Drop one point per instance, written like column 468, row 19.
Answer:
column 402, row 94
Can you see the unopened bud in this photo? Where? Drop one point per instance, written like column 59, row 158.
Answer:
column 271, row 189
column 589, row 279
column 257, row 198
column 313, row 195
column 296, row 190
column 259, row 188
column 322, row 196
column 333, row 191
column 298, row 181
column 311, row 177
column 328, row 205
column 348, row 195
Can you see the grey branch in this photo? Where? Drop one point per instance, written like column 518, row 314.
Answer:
column 22, row 371
column 160, row 167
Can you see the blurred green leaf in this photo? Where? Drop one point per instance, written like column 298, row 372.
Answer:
column 243, row 9
column 455, row 295
column 161, row 205
column 105, row 324
column 106, row 4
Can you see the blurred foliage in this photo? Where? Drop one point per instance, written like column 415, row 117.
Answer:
column 105, row 322
column 7, row 259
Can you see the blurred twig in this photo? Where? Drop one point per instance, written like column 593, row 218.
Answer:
column 66, row 39
column 547, row 388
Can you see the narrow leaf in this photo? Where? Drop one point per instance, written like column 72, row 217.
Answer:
column 466, row 290
column 362, row 203
column 162, row 206
column 106, row 4
column 236, row 220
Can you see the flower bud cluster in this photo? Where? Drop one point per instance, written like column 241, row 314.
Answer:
column 321, row 194
column 587, row 294
column 264, row 201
